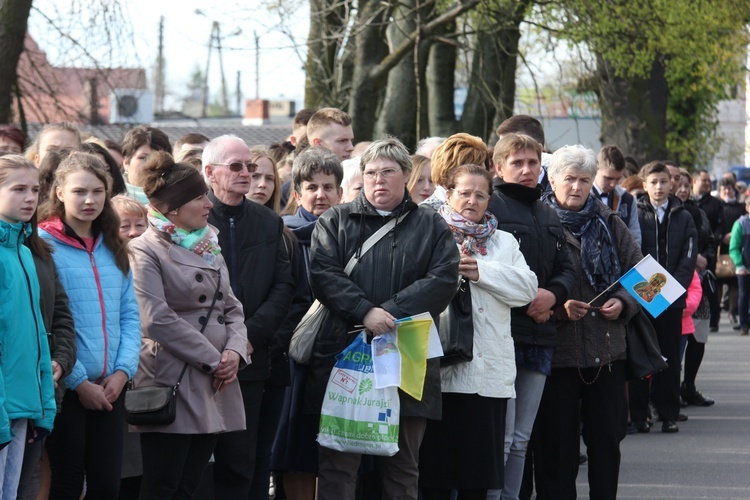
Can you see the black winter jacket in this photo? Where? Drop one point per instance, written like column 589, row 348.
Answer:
column 714, row 210
column 251, row 240
column 413, row 269
column 540, row 235
column 706, row 243
column 681, row 240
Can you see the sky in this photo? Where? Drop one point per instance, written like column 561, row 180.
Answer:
column 186, row 38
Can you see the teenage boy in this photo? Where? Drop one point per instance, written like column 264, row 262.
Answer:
column 331, row 128
column 669, row 235
column 610, row 167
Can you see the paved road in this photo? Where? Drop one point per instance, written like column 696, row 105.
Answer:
column 710, row 456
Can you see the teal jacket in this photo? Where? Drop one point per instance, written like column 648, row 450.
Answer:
column 26, row 385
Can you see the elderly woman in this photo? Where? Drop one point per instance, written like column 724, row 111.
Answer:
column 588, row 367
column 516, row 204
column 411, row 270
column 475, row 393
column 456, row 150
column 193, row 328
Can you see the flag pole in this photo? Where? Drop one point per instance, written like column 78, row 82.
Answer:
column 606, row 290
column 618, row 279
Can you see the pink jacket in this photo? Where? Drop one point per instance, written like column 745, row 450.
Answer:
column 694, row 294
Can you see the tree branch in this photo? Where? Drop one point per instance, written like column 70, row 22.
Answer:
column 391, row 60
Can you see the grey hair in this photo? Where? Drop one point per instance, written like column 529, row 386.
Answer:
column 213, row 153
column 389, row 149
column 314, row 161
column 577, row 158
column 427, row 143
column 351, row 170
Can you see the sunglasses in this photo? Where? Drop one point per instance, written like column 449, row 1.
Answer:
column 237, row 166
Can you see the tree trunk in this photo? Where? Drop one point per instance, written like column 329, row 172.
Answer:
column 634, row 112
column 328, row 19
column 367, row 92
column 14, row 15
column 401, row 102
column 441, row 77
column 492, row 84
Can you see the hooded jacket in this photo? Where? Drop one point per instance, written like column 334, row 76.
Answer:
column 26, row 386
column 540, row 236
column 413, row 269
column 103, row 304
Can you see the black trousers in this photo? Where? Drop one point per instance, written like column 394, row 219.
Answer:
column 86, row 442
column 234, row 456
column 268, row 424
column 665, row 385
column 603, row 412
column 173, row 464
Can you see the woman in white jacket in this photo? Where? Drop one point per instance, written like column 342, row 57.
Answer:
column 464, row 451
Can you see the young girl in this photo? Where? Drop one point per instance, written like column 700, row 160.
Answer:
column 27, row 396
column 92, row 260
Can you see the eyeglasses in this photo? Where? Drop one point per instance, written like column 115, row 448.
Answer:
column 237, row 166
column 386, row 173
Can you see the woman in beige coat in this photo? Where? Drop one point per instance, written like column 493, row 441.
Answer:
column 176, row 267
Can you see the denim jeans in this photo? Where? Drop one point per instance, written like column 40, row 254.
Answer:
column 743, row 302
column 11, row 460
column 519, row 421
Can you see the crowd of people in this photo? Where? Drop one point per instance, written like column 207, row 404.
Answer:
column 145, row 264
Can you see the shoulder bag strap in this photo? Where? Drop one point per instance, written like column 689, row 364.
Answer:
column 203, row 326
column 372, row 240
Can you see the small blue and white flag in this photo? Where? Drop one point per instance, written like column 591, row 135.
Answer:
column 652, row 286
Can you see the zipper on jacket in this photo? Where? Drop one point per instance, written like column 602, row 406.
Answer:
column 36, row 323
column 233, row 246
column 103, row 311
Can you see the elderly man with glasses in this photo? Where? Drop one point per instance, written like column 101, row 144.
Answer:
column 250, row 236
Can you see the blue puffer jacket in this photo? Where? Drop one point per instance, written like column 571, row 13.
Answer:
column 26, row 386
column 102, row 300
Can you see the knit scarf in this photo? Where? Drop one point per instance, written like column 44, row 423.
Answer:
column 471, row 237
column 599, row 258
column 203, row 242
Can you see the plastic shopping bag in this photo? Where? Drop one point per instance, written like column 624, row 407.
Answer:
column 356, row 417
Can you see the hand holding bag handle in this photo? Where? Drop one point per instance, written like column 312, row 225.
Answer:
column 301, row 345
column 157, row 405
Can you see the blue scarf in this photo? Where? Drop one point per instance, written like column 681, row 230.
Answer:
column 599, row 258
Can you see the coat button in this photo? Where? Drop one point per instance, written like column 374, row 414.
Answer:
column 596, row 360
column 202, row 299
column 481, row 309
column 206, row 367
column 219, row 296
column 593, row 313
column 220, row 319
column 202, row 320
column 199, row 278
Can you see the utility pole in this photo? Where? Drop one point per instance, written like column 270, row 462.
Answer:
column 239, row 95
column 257, row 65
column 204, row 91
column 159, row 77
column 224, row 99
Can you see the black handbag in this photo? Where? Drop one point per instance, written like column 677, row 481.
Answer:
column 456, row 328
column 644, row 356
column 157, row 405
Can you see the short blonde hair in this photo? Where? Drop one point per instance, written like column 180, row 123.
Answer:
column 456, row 150
column 513, row 143
column 126, row 205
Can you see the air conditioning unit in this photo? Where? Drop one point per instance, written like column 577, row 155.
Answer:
column 131, row 106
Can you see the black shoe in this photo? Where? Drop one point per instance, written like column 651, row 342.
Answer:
column 743, row 330
column 640, row 426
column 713, row 329
column 681, row 417
column 669, row 426
column 582, row 458
column 695, row 398
column 736, row 328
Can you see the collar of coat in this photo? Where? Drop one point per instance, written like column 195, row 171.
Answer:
column 361, row 206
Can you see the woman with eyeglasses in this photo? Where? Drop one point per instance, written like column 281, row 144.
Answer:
column 464, row 450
